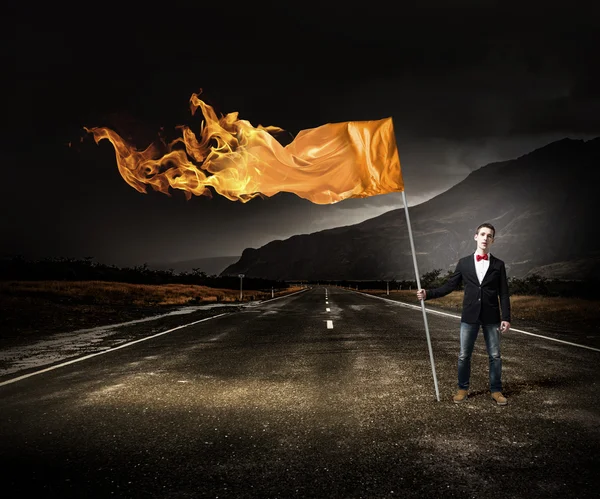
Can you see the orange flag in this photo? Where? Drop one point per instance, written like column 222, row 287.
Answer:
column 327, row 164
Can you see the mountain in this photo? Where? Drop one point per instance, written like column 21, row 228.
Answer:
column 543, row 206
column 210, row 266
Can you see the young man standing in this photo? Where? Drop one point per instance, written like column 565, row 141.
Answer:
column 486, row 305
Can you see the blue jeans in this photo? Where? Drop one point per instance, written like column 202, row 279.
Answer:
column 468, row 335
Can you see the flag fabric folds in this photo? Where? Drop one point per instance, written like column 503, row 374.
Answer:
column 354, row 159
column 327, row 164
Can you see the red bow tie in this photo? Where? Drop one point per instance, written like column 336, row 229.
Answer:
column 481, row 257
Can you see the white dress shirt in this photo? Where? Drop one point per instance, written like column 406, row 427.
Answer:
column 481, row 267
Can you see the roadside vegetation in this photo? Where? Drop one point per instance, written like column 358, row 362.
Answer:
column 45, row 307
column 125, row 294
column 39, row 298
column 570, row 312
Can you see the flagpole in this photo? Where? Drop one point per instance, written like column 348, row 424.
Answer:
column 412, row 246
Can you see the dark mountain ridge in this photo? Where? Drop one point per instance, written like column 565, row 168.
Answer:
column 541, row 204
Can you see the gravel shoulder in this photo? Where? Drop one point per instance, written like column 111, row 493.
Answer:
column 27, row 353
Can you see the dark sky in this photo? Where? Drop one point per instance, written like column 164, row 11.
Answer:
column 466, row 85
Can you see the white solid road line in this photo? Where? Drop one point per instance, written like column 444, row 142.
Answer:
column 418, row 307
column 280, row 297
column 329, row 324
column 79, row 359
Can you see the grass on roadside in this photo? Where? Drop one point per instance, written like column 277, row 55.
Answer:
column 574, row 312
column 41, row 307
column 116, row 293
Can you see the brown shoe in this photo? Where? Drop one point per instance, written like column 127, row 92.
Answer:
column 499, row 398
column 460, row 396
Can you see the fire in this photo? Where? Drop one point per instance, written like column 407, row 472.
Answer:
column 324, row 165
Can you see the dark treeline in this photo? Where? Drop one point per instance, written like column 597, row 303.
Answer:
column 533, row 285
column 68, row 269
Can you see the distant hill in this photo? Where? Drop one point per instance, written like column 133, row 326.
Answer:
column 543, row 205
column 210, row 266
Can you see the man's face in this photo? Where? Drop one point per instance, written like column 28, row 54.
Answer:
column 484, row 239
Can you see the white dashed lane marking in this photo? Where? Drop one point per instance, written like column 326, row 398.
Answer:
column 329, row 323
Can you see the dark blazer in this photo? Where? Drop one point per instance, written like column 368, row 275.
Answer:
column 480, row 303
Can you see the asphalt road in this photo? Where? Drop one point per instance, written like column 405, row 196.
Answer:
column 270, row 402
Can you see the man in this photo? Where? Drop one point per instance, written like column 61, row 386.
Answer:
column 485, row 287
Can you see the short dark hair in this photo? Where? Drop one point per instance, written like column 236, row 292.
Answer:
column 489, row 226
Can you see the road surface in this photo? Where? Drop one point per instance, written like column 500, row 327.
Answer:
column 325, row 393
